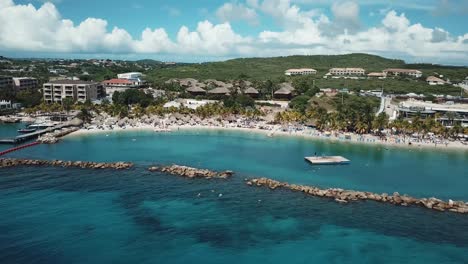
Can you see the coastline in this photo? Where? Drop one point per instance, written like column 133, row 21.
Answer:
column 367, row 140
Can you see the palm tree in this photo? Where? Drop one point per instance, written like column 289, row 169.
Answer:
column 85, row 115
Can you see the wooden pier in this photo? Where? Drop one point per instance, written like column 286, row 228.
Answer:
column 33, row 135
column 327, row 160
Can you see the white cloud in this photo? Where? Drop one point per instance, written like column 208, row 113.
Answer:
column 235, row 11
column 26, row 28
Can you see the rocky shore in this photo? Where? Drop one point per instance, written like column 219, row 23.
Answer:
column 345, row 196
column 190, row 172
column 6, row 163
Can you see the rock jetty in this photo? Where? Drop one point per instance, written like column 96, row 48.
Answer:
column 345, row 196
column 190, row 172
column 6, row 163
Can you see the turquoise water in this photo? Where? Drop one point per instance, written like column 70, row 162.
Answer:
column 55, row 215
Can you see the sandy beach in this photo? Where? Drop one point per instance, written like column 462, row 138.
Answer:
column 166, row 125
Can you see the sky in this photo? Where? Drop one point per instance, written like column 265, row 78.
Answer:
column 431, row 31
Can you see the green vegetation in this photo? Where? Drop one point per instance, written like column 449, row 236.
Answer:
column 132, row 97
column 266, row 72
column 273, row 68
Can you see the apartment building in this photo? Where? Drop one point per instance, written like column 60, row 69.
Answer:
column 403, row 72
column 25, row 83
column 6, row 83
column 347, row 71
column 81, row 91
column 303, row 71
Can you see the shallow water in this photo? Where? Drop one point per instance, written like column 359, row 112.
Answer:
column 56, row 215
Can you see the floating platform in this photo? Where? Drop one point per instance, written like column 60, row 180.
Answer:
column 327, row 160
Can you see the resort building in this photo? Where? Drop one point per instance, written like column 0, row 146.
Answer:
column 303, row 71
column 432, row 80
column 465, row 82
column 5, row 105
column 285, row 91
column 252, row 92
column 379, row 75
column 196, row 90
column 347, row 71
column 135, row 77
column 403, row 72
column 25, row 83
column 458, row 112
column 61, row 78
column 188, row 103
column 81, row 91
column 219, row 91
column 123, row 82
column 6, row 83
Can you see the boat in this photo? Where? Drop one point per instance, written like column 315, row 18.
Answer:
column 162, row 130
column 26, row 130
column 327, row 160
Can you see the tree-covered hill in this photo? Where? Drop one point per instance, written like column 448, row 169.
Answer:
column 272, row 68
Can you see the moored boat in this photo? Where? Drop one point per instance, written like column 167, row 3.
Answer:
column 26, row 130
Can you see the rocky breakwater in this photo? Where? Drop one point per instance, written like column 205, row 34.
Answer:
column 345, row 196
column 190, row 172
column 6, row 163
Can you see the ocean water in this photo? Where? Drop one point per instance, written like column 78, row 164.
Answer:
column 57, row 215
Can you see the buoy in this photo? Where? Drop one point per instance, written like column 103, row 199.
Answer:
column 220, row 195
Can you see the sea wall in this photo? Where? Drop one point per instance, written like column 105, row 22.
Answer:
column 6, row 163
column 190, row 172
column 345, row 196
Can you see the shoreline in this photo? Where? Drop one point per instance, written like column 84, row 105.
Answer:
column 305, row 134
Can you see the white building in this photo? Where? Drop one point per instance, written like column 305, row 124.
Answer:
column 81, row 91
column 189, row 103
column 465, row 82
column 303, row 71
column 432, row 80
column 403, row 72
column 25, row 83
column 5, row 104
column 347, row 71
column 135, row 77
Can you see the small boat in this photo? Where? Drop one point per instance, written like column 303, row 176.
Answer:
column 26, row 130
column 162, row 130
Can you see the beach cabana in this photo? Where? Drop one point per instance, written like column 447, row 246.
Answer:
column 252, row 92
column 196, row 90
column 285, row 91
column 220, row 91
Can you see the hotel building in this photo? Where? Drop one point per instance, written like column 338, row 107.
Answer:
column 303, row 71
column 25, row 83
column 81, row 91
column 347, row 71
column 403, row 72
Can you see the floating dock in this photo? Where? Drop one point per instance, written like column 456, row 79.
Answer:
column 327, row 160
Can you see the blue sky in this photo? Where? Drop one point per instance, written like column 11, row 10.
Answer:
column 202, row 30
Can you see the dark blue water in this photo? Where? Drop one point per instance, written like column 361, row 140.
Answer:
column 54, row 215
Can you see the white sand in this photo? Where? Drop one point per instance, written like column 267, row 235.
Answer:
column 276, row 131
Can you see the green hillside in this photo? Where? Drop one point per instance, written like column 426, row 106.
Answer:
column 270, row 68
column 273, row 68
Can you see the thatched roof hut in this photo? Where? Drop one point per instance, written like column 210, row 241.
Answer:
column 219, row 91
column 196, row 90
column 251, row 92
column 285, row 91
